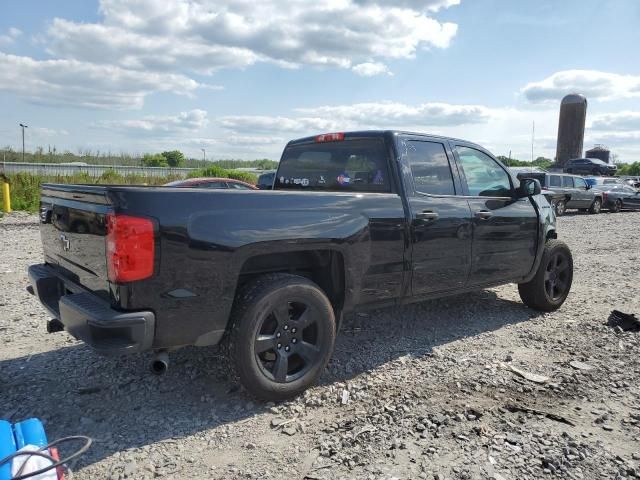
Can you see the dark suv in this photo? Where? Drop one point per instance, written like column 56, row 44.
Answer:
column 577, row 192
column 590, row 166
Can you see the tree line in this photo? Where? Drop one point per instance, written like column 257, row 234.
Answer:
column 173, row 158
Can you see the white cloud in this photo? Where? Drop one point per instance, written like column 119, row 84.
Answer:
column 190, row 121
column 46, row 132
column 593, row 84
column 420, row 5
column 371, row 69
column 80, row 84
column 626, row 120
column 205, row 35
column 400, row 115
column 265, row 123
column 10, row 37
column 252, row 140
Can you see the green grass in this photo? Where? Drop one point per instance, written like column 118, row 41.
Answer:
column 25, row 187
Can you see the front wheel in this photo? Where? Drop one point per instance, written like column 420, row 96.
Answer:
column 617, row 206
column 561, row 207
column 596, row 206
column 281, row 337
column 549, row 288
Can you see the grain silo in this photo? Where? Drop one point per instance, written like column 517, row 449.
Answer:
column 599, row 151
column 573, row 114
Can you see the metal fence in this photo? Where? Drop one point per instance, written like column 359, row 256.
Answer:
column 61, row 169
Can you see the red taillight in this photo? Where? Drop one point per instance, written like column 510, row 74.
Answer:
column 330, row 137
column 130, row 248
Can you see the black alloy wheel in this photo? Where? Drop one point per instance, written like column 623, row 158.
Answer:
column 550, row 286
column 289, row 341
column 282, row 335
column 557, row 276
column 596, row 206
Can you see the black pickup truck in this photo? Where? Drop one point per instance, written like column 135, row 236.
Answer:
column 355, row 220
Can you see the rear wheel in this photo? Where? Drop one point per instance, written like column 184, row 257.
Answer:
column 595, row 171
column 569, row 170
column 549, row 288
column 596, row 206
column 281, row 337
column 561, row 207
column 617, row 206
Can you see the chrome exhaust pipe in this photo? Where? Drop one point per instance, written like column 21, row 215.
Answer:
column 160, row 362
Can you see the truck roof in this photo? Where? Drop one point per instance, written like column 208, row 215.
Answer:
column 382, row 133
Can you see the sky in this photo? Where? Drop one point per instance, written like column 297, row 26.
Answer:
column 240, row 78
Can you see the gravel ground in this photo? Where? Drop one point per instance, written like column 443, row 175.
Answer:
column 424, row 391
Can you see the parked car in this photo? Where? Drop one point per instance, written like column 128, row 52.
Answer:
column 590, row 166
column 598, row 182
column 578, row 194
column 265, row 181
column 357, row 220
column 621, row 197
column 211, row 182
column 631, row 180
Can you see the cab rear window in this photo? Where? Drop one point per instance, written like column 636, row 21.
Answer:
column 350, row 165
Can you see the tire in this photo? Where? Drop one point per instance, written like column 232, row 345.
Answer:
column 551, row 284
column 596, row 206
column 561, row 207
column 569, row 170
column 595, row 172
column 617, row 206
column 269, row 315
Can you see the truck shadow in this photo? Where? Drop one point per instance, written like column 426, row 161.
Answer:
column 123, row 406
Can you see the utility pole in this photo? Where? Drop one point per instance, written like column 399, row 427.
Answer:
column 23, row 127
column 533, row 137
column 204, row 157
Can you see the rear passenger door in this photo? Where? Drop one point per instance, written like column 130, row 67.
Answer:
column 505, row 229
column 441, row 225
column 584, row 194
column 577, row 200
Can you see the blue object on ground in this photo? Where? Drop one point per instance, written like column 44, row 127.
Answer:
column 13, row 438
column 7, row 447
column 30, row 432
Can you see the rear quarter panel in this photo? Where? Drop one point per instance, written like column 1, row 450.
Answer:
column 207, row 236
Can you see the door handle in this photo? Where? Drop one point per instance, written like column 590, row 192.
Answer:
column 484, row 214
column 427, row 215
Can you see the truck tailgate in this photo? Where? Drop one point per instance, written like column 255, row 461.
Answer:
column 73, row 231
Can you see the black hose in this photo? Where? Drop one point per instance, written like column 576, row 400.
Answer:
column 56, row 463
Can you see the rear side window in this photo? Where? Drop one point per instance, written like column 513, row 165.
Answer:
column 237, row 186
column 555, row 181
column 580, row 182
column 485, row 177
column 359, row 165
column 214, row 185
column 567, row 181
column 430, row 168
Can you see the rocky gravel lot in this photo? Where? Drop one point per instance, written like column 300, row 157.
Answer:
column 469, row 387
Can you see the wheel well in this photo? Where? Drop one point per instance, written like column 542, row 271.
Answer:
column 323, row 267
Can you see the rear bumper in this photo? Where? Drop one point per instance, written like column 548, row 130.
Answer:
column 89, row 318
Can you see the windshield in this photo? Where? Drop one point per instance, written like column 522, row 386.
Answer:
column 350, row 165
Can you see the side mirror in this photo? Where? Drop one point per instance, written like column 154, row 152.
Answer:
column 588, row 186
column 529, row 187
